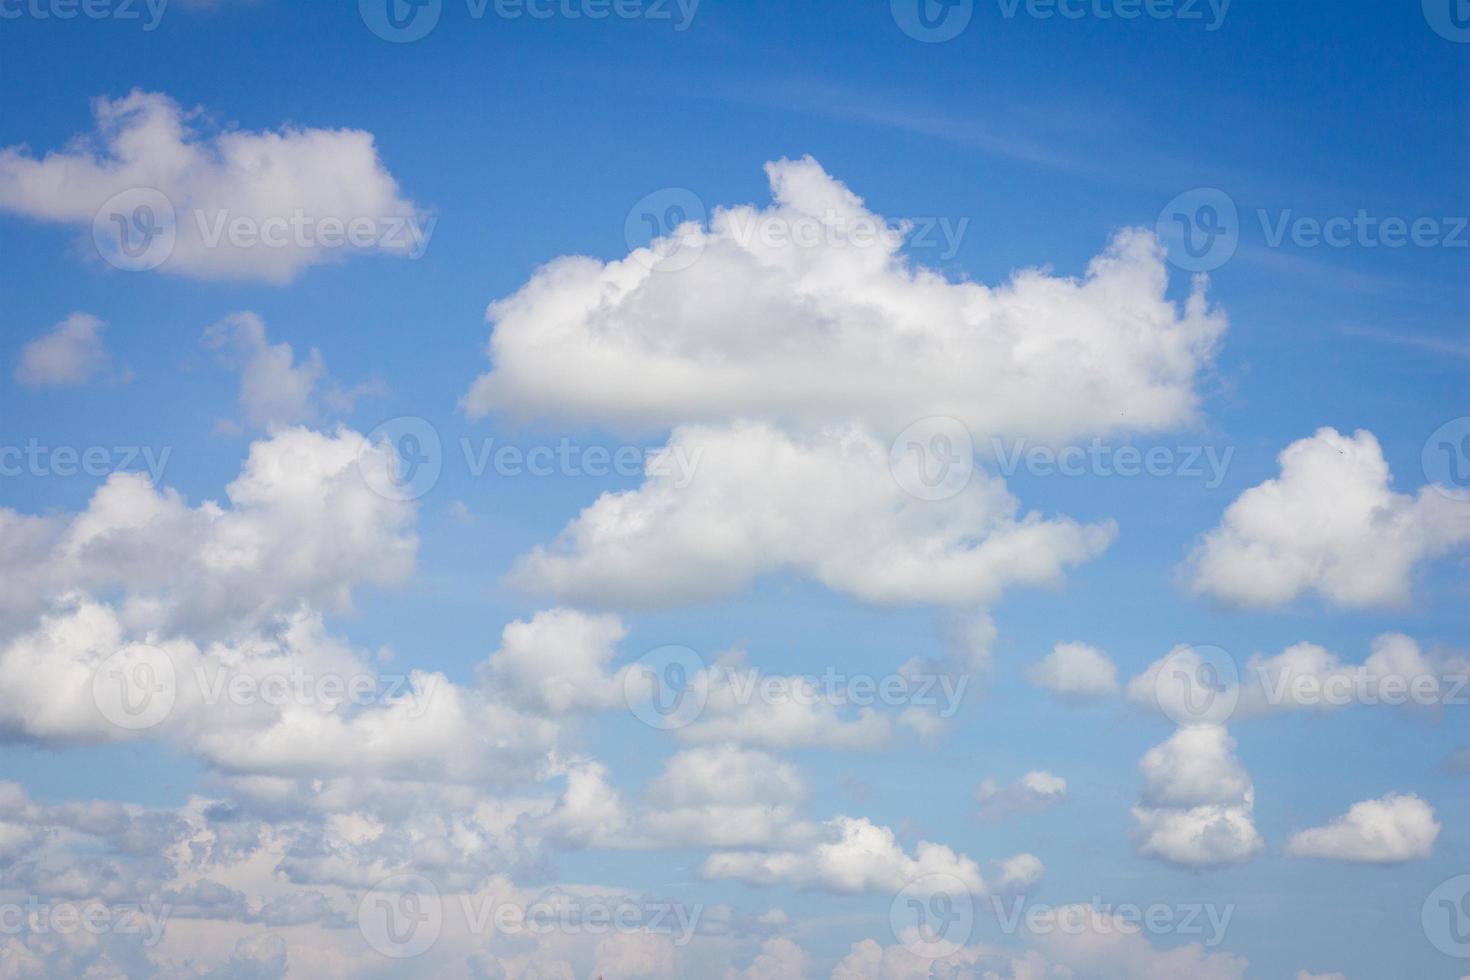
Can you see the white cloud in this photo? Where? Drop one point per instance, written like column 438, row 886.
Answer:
column 146, row 140
column 1392, row 829
column 303, row 525
column 1397, row 671
column 826, row 506
column 850, row 856
column 1197, row 802
column 1075, row 672
column 1032, row 793
column 812, row 332
column 69, row 354
column 1330, row 525
column 558, row 662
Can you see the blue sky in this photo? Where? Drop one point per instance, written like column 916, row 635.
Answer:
column 1033, row 141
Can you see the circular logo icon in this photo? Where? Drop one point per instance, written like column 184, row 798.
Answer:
column 664, row 689
column 135, row 230
column 402, row 459
column 1197, row 685
column 136, row 687
column 1200, row 229
column 1446, row 917
column 402, row 915
column 933, row 459
column 1446, row 459
column 1449, row 18
column 666, row 229
column 932, row 21
column 400, row 21
column 933, row 916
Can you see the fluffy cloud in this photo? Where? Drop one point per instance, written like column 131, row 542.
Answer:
column 1330, row 525
column 809, row 330
column 762, row 501
column 1392, row 829
column 292, row 178
column 850, row 856
column 1197, row 802
column 1397, row 671
column 303, row 525
column 1075, row 672
column 1032, row 793
column 69, row 354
